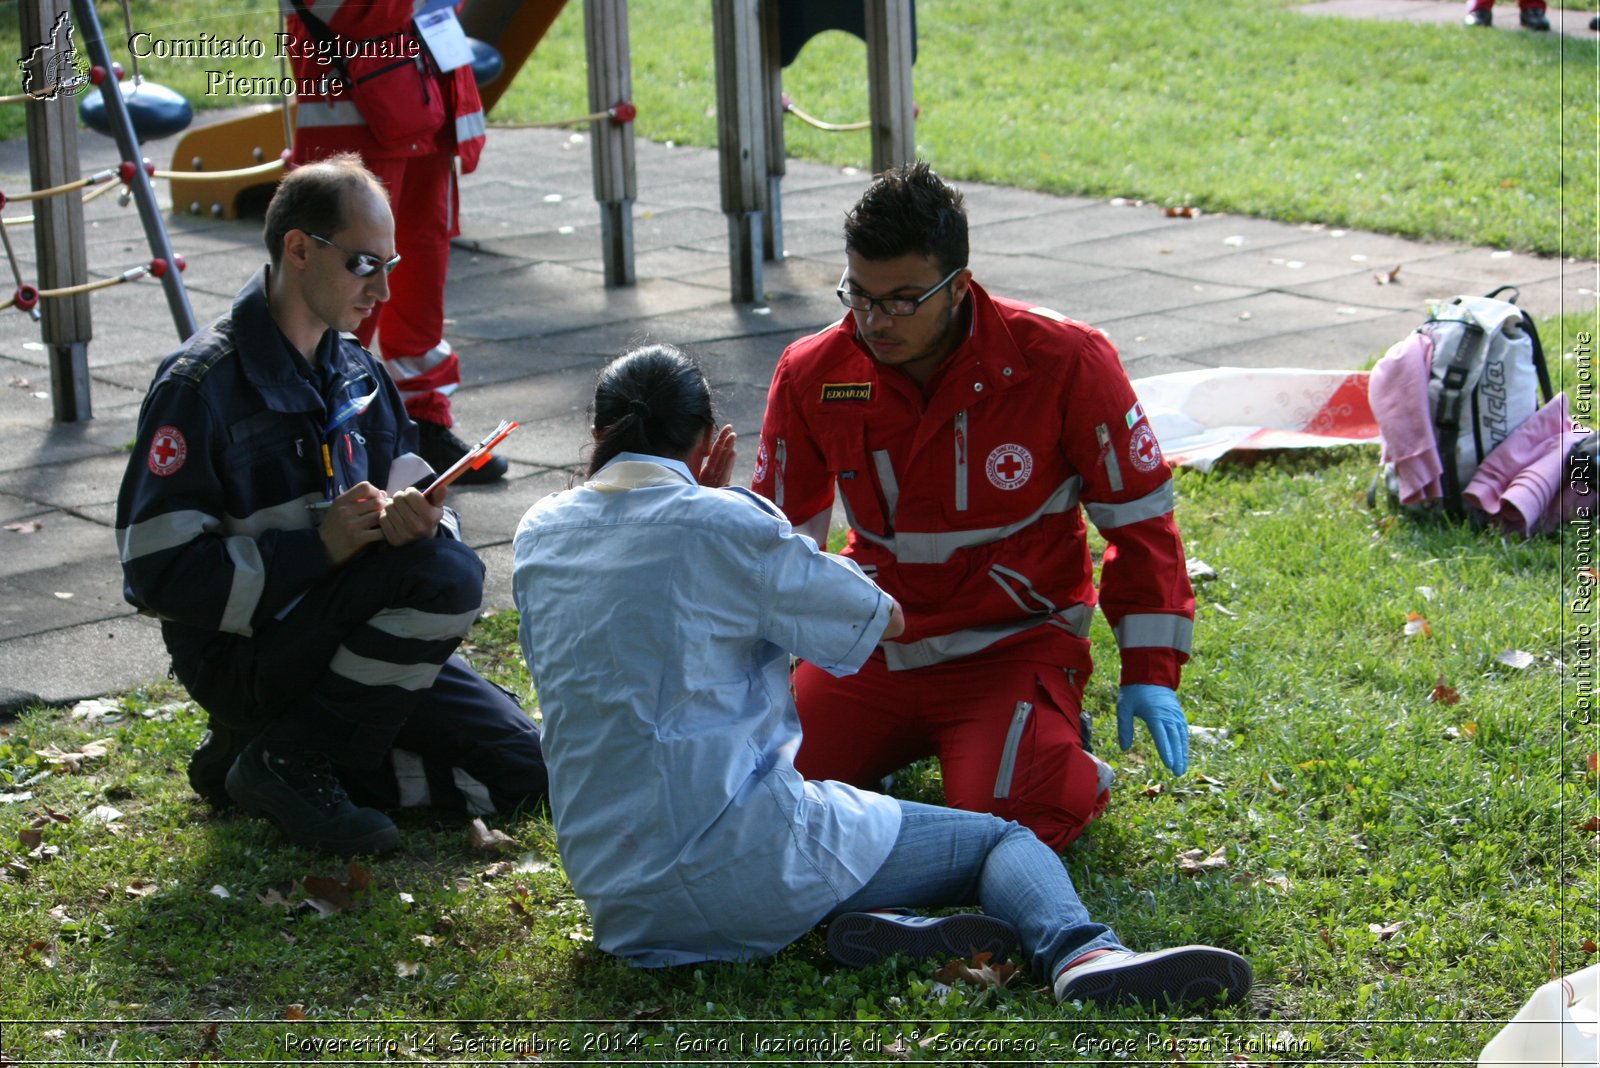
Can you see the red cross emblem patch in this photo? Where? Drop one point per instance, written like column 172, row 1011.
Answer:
column 167, row 451
column 1009, row 466
column 761, row 461
column 1143, row 449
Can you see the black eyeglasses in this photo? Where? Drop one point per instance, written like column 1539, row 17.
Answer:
column 897, row 306
column 360, row 264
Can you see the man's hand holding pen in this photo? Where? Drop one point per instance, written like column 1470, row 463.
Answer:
column 364, row 514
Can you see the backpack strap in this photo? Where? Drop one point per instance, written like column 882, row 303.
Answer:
column 1447, row 416
column 1539, row 368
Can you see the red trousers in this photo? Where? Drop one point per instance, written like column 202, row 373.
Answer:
column 410, row 324
column 1007, row 734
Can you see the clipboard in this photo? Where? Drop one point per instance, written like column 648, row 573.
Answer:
column 475, row 457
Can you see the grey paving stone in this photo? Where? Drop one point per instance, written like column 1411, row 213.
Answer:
column 87, row 481
column 62, row 540
column 1136, row 293
column 84, row 590
column 88, row 660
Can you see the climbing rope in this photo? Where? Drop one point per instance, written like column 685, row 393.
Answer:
column 791, row 108
column 26, row 297
column 621, row 114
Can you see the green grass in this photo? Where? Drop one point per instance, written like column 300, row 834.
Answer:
column 1226, row 105
column 1346, row 799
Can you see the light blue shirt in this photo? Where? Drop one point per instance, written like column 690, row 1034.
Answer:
column 657, row 620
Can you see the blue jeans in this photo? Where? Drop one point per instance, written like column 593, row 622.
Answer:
column 947, row 856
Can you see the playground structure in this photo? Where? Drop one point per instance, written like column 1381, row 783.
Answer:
column 219, row 166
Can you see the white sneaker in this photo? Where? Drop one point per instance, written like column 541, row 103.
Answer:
column 1175, row 976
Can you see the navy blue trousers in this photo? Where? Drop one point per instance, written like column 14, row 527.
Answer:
column 363, row 669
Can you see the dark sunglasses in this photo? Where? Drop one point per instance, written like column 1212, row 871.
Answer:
column 360, row 264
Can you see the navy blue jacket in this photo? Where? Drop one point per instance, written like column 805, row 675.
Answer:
column 213, row 526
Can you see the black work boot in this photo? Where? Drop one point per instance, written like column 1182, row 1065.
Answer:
column 208, row 768
column 1534, row 18
column 301, row 796
column 1480, row 17
column 437, row 445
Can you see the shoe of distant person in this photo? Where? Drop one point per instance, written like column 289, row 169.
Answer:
column 441, row 448
column 1534, row 18
column 1480, row 17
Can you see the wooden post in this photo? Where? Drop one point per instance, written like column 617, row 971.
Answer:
column 611, row 83
column 890, row 46
column 741, row 139
column 777, row 153
column 52, row 124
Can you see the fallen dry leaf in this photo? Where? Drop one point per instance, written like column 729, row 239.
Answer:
column 1590, row 825
column 294, row 1013
column 1444, row 695
column 1589, row 946
column 71, row 762
column 1386, row 931
column 94, row 708
column 1327, row 939
column 29, row 838
column 141, row 888
column 1416, row 624
column 32, row 526
column 1384, row 278
column 1515, row 658
column 1594, row 763
column 271, row 899
column 1153, row 790
column 1198, row 861
column 978, row 972
column 1184, row 212
column 406, row 969
column 495, row 841
column 1206, row 780
column 1273, row 784
column 43, row 952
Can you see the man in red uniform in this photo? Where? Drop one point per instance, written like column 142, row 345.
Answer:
column 968, row 435
column 419, row 174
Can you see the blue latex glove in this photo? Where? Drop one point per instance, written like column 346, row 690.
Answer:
column 1158, row 707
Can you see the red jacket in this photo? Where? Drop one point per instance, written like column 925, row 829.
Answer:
column 965, row 505
column 326, row 124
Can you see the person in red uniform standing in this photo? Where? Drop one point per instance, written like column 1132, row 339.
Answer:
column 968, row 435
column 419, row 174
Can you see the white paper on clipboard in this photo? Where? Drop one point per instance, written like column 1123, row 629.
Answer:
column 442, row 33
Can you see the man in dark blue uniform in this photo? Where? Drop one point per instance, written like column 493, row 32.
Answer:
column 311, row 599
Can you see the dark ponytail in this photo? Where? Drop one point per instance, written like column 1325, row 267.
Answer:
column 653, row 400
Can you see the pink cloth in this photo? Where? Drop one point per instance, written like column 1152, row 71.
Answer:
column 1398, row 394
column 1524, row 475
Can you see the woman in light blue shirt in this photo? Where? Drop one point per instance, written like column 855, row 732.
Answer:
column 659, row 613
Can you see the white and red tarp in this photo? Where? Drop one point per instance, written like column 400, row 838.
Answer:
column 1200, row 415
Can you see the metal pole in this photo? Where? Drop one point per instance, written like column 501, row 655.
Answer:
column 155, row 230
